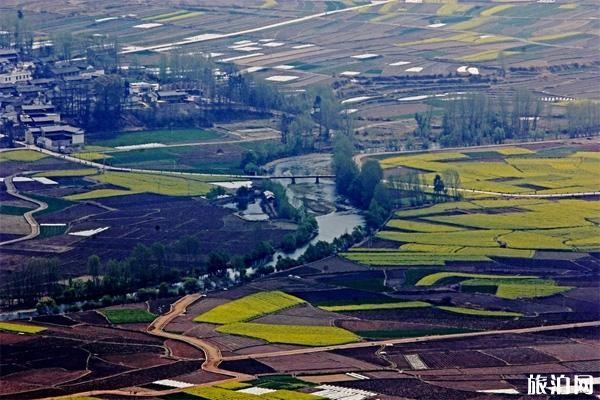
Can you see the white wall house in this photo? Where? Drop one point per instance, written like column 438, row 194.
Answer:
column 15, row 76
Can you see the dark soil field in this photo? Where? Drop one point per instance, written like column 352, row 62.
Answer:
column 146, row 219
column 69, row 359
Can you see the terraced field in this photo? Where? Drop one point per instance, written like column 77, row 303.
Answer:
column 509, row 170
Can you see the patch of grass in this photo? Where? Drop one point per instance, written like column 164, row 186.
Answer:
column 11, row 210
column 474, row 238
column 128, row 315
column 554, row 37
column 527, row 291
column 495, row 10
column 164, row 15
column 408, row 333
column 380, row 306
column 405, row 258
column 479, row 312
column 453, row 7
column 49, row 231
column 487, row 55
column 67, row 172
column 169, row 185
column 280, row 382
column 233, row 385
column 98, row 194
column 303, row 335
column 472, row 23
column 54, row 204
column 511, row 151
column 217, row 393
column 269, row 4
column 91, row 156
column 418, row 226
column 438, row 276
column 179, row 17
column 21, row 155
column 368, row 284
column 21, row 328
column 249, row 307
column 289, row 395
column 164, row 136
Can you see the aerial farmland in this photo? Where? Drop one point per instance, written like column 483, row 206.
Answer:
column 299, row 199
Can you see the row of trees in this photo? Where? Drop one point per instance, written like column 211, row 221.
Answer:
column 16, row 31
column 583, row 118
column 477, row 119
column 363, row 187
column 146, row 266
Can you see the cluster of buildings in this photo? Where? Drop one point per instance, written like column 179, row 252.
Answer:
column 26, row 110
column 33, row 91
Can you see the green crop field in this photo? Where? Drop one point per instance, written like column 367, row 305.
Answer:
column 127, row 315
column 217, row 393
column 472, row 238
column 280, row 382
column 522, row 291
column 404, row 258
column 21, row 155
column 233, row 385
column 11, row 210
column 380, row 306
column 304, row 335
column 98, row 194
column 249, row 307
column 480, row 313
column 67, row 172
column 417, row 226
column 520, row 167
column 164, row 136
column 91, row 156
column 438, row 276
column 21, row 328
column 169, row 185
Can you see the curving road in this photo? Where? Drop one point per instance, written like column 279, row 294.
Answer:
column 35, row 227
column 214, row 356
column 211, row 352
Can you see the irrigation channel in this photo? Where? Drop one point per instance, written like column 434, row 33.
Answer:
column 333, row 215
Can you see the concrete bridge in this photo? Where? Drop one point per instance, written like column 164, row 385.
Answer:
column 292, row 177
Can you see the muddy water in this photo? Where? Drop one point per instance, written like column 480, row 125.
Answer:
column 333, row 216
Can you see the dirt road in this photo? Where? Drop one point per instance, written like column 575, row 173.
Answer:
column 416, row 339
column 211, row 352
column 214, row 357
column 35, row 227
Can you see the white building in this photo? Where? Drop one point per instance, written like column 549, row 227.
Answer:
column 15, row 76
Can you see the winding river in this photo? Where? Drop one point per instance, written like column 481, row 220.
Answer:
column 333, row 216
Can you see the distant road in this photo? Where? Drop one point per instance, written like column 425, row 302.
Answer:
column 415, row 340
column 35, row 227
column 358, row 159
column 215, row 36
column 206, row 143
